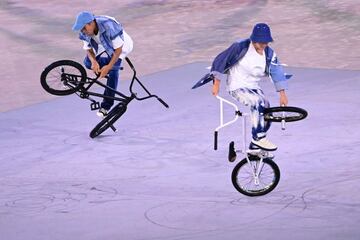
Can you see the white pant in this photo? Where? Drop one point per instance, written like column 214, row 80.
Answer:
column 256, row 100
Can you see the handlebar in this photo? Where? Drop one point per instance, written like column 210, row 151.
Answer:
column 163, row 102
column 130, row 64
column 134, row 78
column 215, row 140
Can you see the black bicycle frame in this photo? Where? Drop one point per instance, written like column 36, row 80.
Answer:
column 85, row 93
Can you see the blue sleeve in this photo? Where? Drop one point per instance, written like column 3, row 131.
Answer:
column 222, row 61
column 113, row 29
column 279, row 78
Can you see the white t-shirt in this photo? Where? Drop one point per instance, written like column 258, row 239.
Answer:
column 248, row 71
column 126, row 44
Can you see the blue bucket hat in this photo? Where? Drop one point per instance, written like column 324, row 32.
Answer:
column 82, row 19
column 261, row 33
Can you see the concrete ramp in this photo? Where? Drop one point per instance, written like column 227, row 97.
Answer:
column 158, row 177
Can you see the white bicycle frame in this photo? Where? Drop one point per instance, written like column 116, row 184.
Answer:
column 256, row 168
column 222, row 124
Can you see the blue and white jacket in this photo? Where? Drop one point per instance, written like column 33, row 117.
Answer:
column 109, row 29
column 231, row 56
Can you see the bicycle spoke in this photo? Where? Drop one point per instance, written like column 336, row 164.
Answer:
column 289, row 114
column 245, row 185
column 251, row 184
column 55, row 77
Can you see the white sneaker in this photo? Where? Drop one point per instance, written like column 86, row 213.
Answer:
column 102, row 112
column 264, row 144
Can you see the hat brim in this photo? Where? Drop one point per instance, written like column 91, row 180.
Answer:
column 78, row 27
column 261, row 40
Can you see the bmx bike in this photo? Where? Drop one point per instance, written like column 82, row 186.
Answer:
column 256, row 174
column 66, row 77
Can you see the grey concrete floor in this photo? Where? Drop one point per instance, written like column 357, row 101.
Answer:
column 159, row 178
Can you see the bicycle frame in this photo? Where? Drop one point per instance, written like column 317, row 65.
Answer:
column 85, row 90
column 82, row 89
column 257, row 161
column 256, row 168
column 222, row 124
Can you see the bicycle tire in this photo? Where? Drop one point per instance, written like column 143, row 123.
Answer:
column 69, row 83
column 109, row 120
column 261, row 191
column 270, row 116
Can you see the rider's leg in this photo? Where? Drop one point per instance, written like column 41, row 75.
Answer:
column 260, row 103
column 256, row 100
column 112, row 82
column 113, row 78
column 102, row 62
column 87, row 62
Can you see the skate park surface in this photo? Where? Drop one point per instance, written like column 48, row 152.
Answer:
column 158, row 176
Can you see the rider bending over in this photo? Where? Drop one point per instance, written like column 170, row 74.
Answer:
column 103, row 34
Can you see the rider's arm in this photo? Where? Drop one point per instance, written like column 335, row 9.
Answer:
column 91, row 55
column 277, row 74
column 216, row 86
column 115, row 57
column 283, row 98
column 279, row 79
column 224, row 61
column 117, row 43
column 94, row 64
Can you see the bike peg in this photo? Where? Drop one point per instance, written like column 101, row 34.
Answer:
column 283, row 124
column 283, row 120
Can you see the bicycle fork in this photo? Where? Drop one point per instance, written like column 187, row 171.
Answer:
column 257, row 167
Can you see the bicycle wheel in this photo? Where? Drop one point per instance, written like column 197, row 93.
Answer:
column 289, row 114
column 244, row 181
column 63, row 77
column 109, row 120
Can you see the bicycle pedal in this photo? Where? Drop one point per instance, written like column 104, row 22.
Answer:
column 232, row 152
column 265, row 154
column 95, row 106
column 254, row 152
column 257, row 154
column 253, row 157
column 270, row 156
